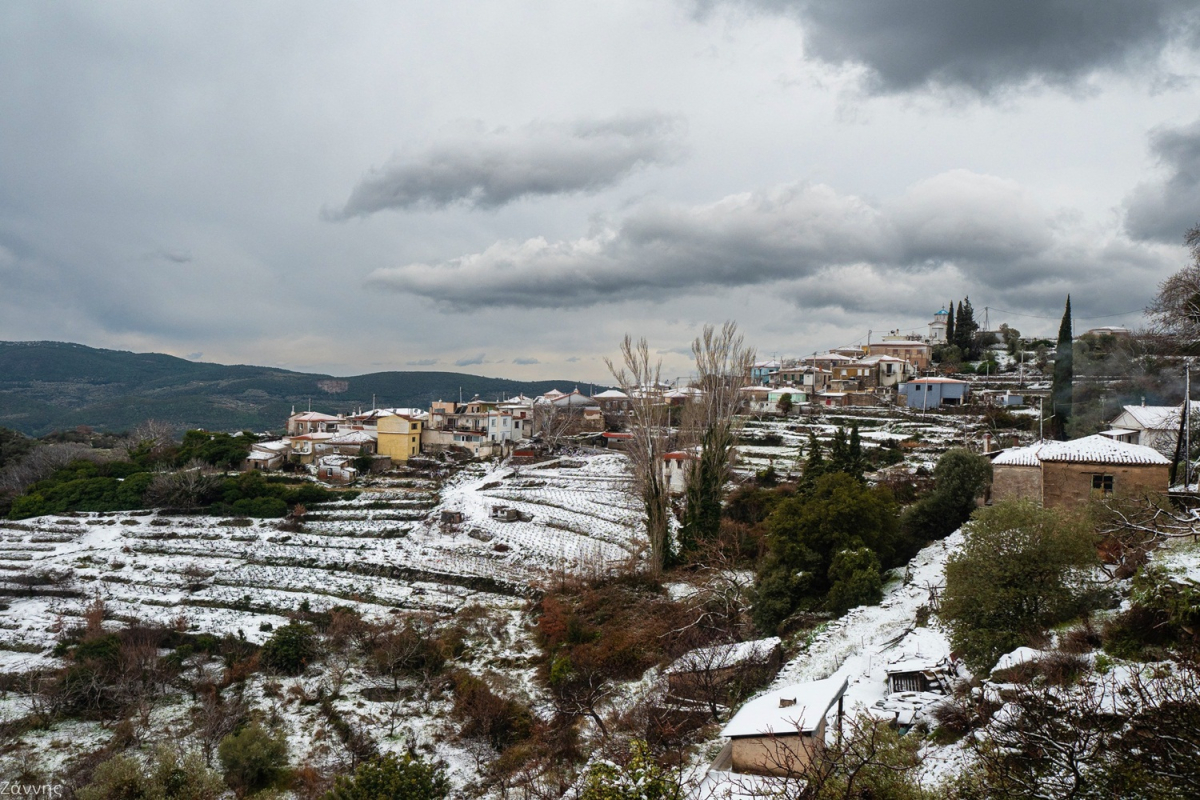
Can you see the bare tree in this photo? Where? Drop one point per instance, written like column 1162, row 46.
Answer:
column 552, row 421
column 185, row 488
column 41, row 462
column 1176, row 310
column 154, row 435
column 723, row 363
column 649, row 430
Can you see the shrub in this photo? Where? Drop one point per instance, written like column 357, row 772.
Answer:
column 290, row 649
column 854, row 579
column 167, row 775
column 959, row 477
column 486, row 715
column 1015, row 576
column 639, row 779
column 392, row 778
column 253, row 759
column 807, row 531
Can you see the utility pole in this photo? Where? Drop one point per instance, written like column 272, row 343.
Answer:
column 1187, row 424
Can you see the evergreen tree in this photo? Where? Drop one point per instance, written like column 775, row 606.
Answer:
column 839, row 452
column 950, row 325
column 814, row 466
column 1062, row 390
column 965, row 329
column 856, row 464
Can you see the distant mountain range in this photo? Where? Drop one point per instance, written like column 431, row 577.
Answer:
column 47, row 386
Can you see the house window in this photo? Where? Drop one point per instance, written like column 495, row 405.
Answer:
column 1102, row 484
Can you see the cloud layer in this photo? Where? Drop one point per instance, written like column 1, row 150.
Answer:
column 988, row 45
column 987, row 228
column 1163, row 209
column 490, row 168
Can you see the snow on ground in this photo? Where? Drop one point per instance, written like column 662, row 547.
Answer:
column 861, row 645
column 384, row 550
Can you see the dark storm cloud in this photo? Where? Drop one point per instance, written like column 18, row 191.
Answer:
column 1165, row 208
column 985, row 45
column 987, row 228
column 488, row 169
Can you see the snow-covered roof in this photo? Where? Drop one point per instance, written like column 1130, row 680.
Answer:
column 915, row 665
column 354, row 437
column 879, row 358
column 1153, row 418
column 274, row 447
column 829, row 357
column 575, row 399
column 1101, row 450
column 797, row 708
column 611, row 394
column 722, row 656
column 314, row 416
column 1094, row 449
column 1018, row 457
column 937, row 380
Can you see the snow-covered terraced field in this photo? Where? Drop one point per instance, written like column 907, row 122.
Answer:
column 385, row 550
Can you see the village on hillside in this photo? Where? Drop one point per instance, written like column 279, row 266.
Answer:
column 293, row 577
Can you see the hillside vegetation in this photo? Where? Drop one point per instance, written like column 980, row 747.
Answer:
column 46, row 386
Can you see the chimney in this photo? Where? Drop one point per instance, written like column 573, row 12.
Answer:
column 987, row 443
column 786, row 703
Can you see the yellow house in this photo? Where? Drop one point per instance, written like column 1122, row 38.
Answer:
column 399, row 437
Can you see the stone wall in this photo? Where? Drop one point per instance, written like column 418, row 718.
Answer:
column 1011, row 482
column 1069, row 485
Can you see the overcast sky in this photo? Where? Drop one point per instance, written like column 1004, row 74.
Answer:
column 506, row 188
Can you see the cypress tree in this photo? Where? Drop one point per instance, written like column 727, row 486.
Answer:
column 965, row 328
column 1062, row 390
column 950, row 325
column 858, row 463
column 814, row 466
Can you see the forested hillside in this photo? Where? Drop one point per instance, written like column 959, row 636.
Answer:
column 47, row 386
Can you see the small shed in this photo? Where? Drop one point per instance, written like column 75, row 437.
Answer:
column 451, row 517
column 918, row 675
column 781, row 731
column 505, row 514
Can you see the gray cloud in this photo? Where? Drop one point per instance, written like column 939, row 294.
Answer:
column 488, row 169
column 195, row 356
column 469, row 361
column 174, row 256
column 525, row 361
column 422, row 362
column 986, row 45
column 986, row 227
column 1164, row 209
